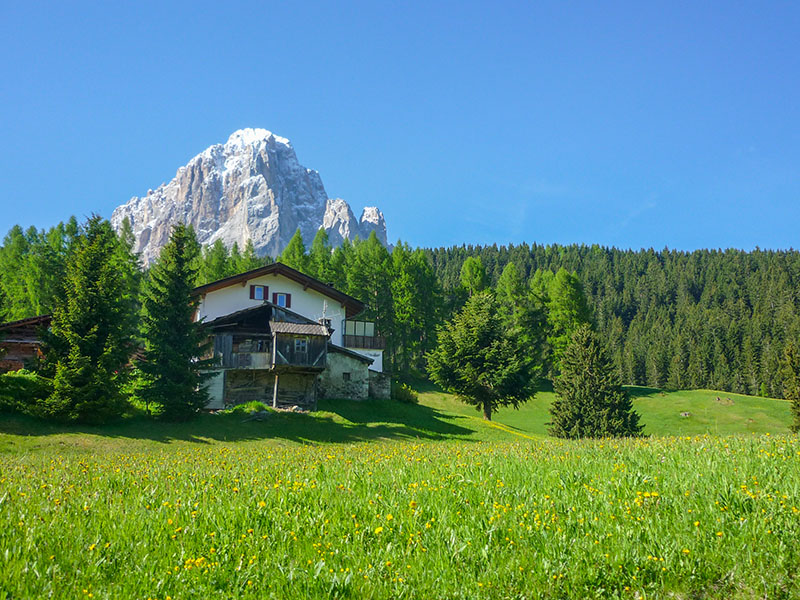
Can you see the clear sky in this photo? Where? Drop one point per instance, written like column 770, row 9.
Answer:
column 637, row 124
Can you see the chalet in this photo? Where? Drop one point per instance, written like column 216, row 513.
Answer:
column 282, row 337
column 20, row 342
column 276, row 335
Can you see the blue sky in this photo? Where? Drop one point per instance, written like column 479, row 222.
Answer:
column 637, row 124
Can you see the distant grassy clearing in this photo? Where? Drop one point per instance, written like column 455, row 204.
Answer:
column 660, row 412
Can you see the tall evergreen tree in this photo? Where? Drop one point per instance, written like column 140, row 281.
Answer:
column 127, row 262
column 473, row 275
column 90, row 341
column 416, row 299
column 171, row 374
column 481, row 361
column 214, row 263
column 567, row 310
column 294, row 255
column 510, row 289
column 319, row 258
column 590, row 401
column 369, row 278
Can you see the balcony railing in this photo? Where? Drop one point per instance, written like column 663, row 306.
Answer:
column 365, row 342
column 247, row 360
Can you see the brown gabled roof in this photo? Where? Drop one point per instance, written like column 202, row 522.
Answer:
column 42, row 320
column 352, row 305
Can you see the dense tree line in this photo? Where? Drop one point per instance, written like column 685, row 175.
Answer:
column 670, row 319
column 704, row 319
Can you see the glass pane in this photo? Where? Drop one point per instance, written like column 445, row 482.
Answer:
column 349, row 328
column 359, row 327
column 369, row 329
column 258, row 292
column 281, row 300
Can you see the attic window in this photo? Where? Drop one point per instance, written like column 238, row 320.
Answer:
column 346, row 376
column 259, row 292
column 284, row 300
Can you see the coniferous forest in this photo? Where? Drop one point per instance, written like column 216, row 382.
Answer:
column 669, row 319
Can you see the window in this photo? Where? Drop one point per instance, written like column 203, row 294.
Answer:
column 281, row 299
column 346, row 376
column 300, row 346
column 259, row 292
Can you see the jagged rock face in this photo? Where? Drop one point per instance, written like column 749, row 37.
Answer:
column 251, row 187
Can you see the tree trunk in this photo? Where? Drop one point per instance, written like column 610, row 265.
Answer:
column 487, row 411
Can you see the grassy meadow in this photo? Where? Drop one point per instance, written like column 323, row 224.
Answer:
column 386, row 500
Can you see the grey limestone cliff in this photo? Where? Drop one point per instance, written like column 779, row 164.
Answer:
column 251, row 187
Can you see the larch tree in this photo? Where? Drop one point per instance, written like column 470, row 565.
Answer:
column 319, row 258
column 294, row 255
column 215, row 261
column 481, row 361
column 369, row 278
column 590, row 402
column 567, row 310
column 90, row 341
column 171, row 374
column 473, row 275
column 416, row 303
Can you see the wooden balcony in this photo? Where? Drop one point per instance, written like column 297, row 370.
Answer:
column 365, row 342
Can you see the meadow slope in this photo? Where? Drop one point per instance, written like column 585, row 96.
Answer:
column 385, row 500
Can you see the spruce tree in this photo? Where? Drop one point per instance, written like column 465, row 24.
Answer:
column 481, row 361
column 590, row 401
column 170, row 373
column 90, row 341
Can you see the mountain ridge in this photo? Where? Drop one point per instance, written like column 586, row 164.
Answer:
column 252, row 187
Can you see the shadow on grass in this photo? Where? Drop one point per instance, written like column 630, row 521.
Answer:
column 337, row 421
column 642, row 392
column 425, row 420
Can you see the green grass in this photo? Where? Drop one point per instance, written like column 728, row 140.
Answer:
column 390, row 500
column 660, row 411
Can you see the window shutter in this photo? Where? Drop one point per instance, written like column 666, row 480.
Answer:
column 288, row 301
column 275, row 298
column 266, row 293
column 252, row 292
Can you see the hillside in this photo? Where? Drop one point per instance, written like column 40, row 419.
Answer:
column 660, row 411
column 386, row 500
column 437, row 417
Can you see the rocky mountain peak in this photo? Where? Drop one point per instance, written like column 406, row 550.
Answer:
column 252, row 187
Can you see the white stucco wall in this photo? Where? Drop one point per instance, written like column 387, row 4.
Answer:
column 308, row 302
column 375, row 355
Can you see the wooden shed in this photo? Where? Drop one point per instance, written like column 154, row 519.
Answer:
column 267, row 353
column 20, row 342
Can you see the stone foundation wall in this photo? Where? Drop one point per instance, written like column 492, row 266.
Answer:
column 344, row 378
column 380, row 385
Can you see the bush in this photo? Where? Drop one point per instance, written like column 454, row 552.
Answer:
column 248, row 408
column 23, row 391
column 402, row 392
